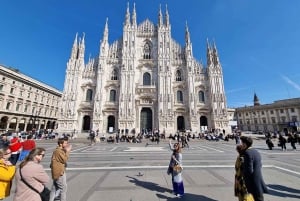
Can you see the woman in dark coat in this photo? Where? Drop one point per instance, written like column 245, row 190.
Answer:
column 252, row 170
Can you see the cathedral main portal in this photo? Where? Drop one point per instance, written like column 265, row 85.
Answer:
column 146, row 119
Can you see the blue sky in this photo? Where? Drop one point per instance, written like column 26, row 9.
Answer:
column 258, row 41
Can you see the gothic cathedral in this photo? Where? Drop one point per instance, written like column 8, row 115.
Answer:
column 143, row 81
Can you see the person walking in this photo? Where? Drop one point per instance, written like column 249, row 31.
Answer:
column 7, row 173
column 252, row 170
column 176, row 159
column 240, row 189
column 33, row 173
column 58, row 169
column 282, row 142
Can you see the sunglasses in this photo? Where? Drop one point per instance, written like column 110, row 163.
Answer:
column 43, row 155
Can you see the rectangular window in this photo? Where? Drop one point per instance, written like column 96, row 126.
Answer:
column 1, row 87
column 8, row 106
column 264, row 121
column 273, row 120
column 17, row 107
column 262, row 112
column 281, row 110
column 294, row 118
column 25, row 108
column 11, row 90
column 292, row 109
column 271, row 112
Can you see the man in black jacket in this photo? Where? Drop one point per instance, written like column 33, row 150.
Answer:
column 252, row 170
column 4, row 143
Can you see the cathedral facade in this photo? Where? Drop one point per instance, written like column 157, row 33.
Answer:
column 143, row 81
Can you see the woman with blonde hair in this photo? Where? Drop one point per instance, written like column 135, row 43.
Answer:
column 176, row 160
column 7, row 172
column 34, row 174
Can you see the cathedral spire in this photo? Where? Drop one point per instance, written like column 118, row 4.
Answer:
column 215, row 54
column 208, row 53
column 81, row 47
column 75, row 48
column 104, row 41
column 187, row 35
column 127, row 16
column 256, row 100
column 160, row 18
column 105, row 32
column 134, row 16
column 167, row 17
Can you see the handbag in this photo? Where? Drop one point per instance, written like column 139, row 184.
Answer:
column 248, row 197
column 177, row 168
column 45, row 194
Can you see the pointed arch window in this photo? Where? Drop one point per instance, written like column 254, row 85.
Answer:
column 89, row 95
column 178, row 76
column 112, row 95
column 114, row 74
column 147, row 51
column 146, row 79
column 179, row 96
column 201, row 97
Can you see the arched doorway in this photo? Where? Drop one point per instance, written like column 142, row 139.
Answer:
column 180, row 123
column 146, row 119
column 29, row 125
column 3, row 122
column 86, row 123
column 111, row 124
column 48, row 126
column 13, row 124
column 203, row 123
column 22, row 125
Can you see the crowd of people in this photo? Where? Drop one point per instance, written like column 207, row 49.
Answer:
column 20, row 159
column 29, row 175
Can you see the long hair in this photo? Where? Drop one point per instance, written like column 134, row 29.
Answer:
column 1, row 153
column 178, row 149
column 31, row 155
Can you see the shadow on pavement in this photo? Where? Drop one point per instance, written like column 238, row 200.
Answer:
column 149, row 185
column 186, row 197
column 283, row 191
column 155, row 187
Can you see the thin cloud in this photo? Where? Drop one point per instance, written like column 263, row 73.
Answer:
column 291, row 82
column 236, row 90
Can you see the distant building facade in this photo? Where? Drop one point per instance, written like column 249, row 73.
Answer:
column 25, row 103
column 280, row 116
column 143, row 81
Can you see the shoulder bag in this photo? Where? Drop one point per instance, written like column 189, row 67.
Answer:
column 45, row 194
column 177, row 168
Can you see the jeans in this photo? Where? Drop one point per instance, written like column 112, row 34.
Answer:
column 59, row 189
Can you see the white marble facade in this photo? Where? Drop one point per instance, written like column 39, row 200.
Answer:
column 144, row 80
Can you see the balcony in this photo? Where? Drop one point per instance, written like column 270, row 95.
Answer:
column 146, row 90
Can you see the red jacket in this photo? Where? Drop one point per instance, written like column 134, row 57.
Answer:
column 15, row 144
